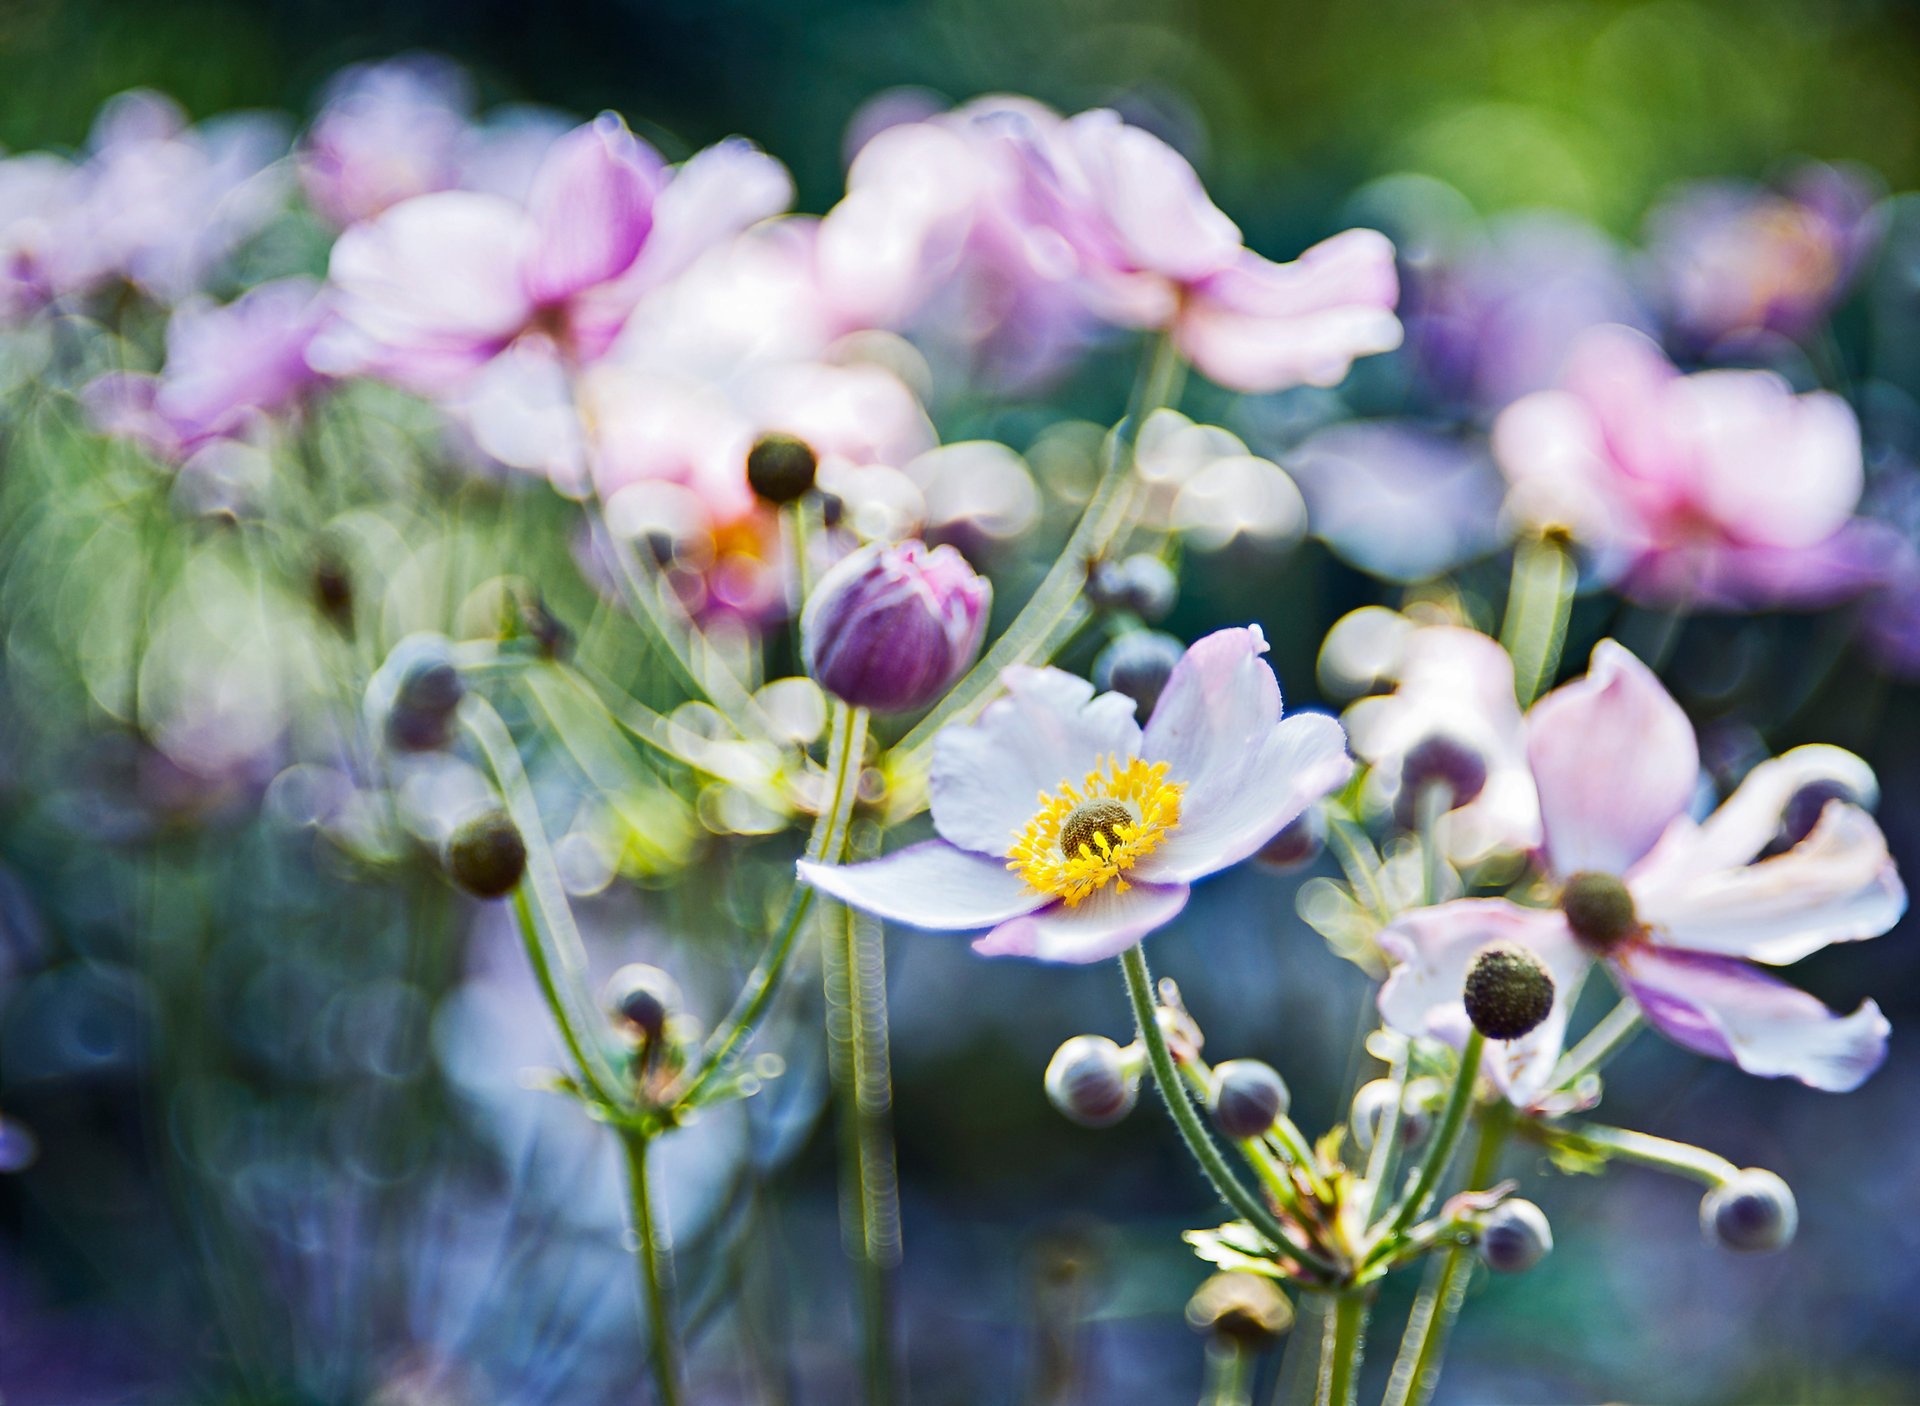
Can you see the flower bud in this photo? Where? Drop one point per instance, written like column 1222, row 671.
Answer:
column 892, row 627
column 1247, row 1096
column 1508, row 991
column 1515, row 1237
column 1442, row 763
column 1141, row 583
column 486, row 855
column 1369, row 1112
column 1599, row 910
column 1138, row 664
column 1091, row 1080
column 415, row 694
column 643, row 999
column 1249, row 1308
column 1754, row 1210
column 780, row 467
column 1298, row 843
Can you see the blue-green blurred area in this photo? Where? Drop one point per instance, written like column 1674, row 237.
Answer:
column 274, row 1069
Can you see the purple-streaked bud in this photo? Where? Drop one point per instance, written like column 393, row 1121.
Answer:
column 1138, row 664
column 1247, row 1096
column 414, row 695
column 1141, row 583
column 1515, row 1237
column 1091, row 1080
column 1444, row 763
column 894, row 625
column 1753, row 1211
column 1371, row 1105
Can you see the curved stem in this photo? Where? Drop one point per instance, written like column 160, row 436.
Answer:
column 654, row 1253
column 1416, row 1368
column 1539, row 602
column 1341, row 1349
column 1049, row 614
column 1661, row 1154
column 1601, row 1044
column 1445, row 1139
column 1166, row 1077
column 844, row 754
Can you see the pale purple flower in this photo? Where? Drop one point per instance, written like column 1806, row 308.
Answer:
column 893, row 626
column 1072, row 832
column 1718, row 490
column 226, row 368
column 1698, row 904
column 386, row 132
column 1737, row 258
column 434, row 290
column 35, row 193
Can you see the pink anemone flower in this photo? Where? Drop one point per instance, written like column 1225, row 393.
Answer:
column 1678, row 911
column 1071, row 832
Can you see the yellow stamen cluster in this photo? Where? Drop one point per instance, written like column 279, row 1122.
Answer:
column 1114, row 818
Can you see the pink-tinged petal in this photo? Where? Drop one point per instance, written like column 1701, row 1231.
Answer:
column 1750, row 819
column 1104, row 924
column 928, row 885
column 1837, row 885
column 429, row 291
column 592, row 208
column 713, row 196
column 1712, row 574
column 1725, row 1009
column 988, row 777
column 1432, row 948
column 1615, row 762
column 1553, row 452
column 1777, row 469
column 1259, row 326
column 1146, row 199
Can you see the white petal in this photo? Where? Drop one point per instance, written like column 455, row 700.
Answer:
column 930, row 885
column 1748, row 820
column 1837, row 885
column 988, row 776
column 1104, row 924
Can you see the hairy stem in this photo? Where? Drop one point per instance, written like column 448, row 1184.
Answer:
column 654, row 1254
column 1446, row 1137
column 1341, row 1349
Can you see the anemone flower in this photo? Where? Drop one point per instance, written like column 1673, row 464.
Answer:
column 1072, row 833
column 1678, row 911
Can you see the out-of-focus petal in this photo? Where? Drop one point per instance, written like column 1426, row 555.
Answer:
column 713, row 195
column 1260, row 326
column 1837, row 885
column 592, row 208
column 929, row 885
column 1148, row 198
column 1810, row 444
column 988, row 777
column 1749, row 820
column 1615, row 762
column 1723, row 1008
column 1432, row 949
column 1104, row 924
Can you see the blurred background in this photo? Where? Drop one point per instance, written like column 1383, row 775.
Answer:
column 261, row 1070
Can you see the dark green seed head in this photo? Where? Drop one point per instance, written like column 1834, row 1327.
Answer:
column 486, row 855
column 1508, row 991
column 780, row 467
column 1599, row 910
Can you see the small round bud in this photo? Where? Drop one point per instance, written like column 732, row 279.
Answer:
column 1599, row 910
column 1248, row 1308
column 780, row 467
column 1441, row 763
column 1753, row 1211
column 643, row 999
column 1515, row 1237
column 1247, row 1097
column 1803, row 810
column 1138, row 664
column 892, row 626
column 1508, row 991
column 1298, row 843
column 415, row 694
column 1088, row 1079
column 333, row 589
column 1369, row 1112
column 486, row 855
column 1141, row 583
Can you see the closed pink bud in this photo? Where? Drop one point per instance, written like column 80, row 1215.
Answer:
column 894, row 625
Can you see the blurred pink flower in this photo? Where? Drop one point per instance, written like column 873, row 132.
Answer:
column 1737, row 258
column 387, row 131
column 437, row 287
column 1718, row 490
column 1212, row 777
column 226, row 367
column 1694, row 904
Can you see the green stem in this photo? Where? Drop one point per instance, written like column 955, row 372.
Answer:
column 1341, row 1348
column 1229, row 1373
column 1166, row 1077
column 1661, row 1154
column 1434, row 801
column 1445, row 1139
column 844, row 755
column 1539, row 602
column 1050, row 612
column 1601, row 1044
column 654, row 1253
column 1416, row 1368
column 1359, row 861
column 1385, row 1138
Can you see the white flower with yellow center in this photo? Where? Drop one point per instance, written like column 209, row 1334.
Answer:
column 1071, row 832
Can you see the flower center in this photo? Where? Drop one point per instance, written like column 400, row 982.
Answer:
column 1084, row 837
column 1599, row 910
